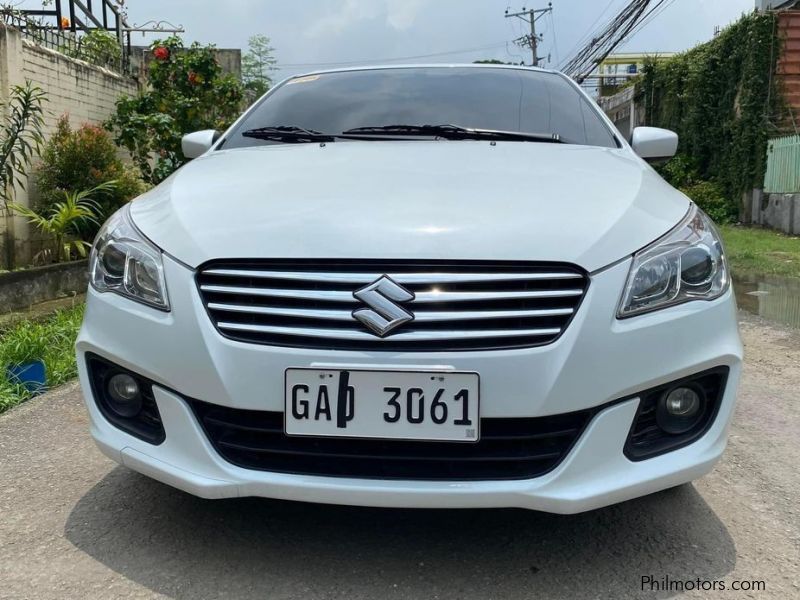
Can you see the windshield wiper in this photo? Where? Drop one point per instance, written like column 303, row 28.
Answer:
column 288, row 134
column 454, row 132
column 296, row 135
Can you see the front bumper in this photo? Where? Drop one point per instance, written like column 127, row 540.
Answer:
column 597, row 360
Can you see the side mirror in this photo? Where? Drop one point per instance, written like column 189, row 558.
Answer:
column 653, row 144
column 198, row 143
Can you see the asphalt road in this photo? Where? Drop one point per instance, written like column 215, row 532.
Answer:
column 75, row 525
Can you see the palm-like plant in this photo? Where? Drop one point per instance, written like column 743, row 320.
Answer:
column 21, row 138
column 62, row 221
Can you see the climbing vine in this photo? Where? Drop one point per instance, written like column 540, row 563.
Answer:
column 721, row 98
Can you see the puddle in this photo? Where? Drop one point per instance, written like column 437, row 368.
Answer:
column 771, row 297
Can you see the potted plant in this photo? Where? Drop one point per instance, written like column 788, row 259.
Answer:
column 22, row 353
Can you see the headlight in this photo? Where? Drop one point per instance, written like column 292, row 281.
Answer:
column 123, row 261
column 686, row 264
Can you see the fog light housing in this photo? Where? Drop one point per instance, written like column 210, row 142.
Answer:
column 124, row 395
column 675, row 414
column 679, row 409
column 125, row 399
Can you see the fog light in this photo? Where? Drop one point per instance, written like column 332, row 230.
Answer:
column 679, row 410
column 683, row 402
column 124, row 396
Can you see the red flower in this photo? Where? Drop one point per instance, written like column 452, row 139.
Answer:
column 192, row 77
column 161, row 53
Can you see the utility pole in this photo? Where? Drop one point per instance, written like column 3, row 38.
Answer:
column 531, row 41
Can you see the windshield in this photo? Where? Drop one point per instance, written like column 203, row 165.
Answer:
column 513, row 100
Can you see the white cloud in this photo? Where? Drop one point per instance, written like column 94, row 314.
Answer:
column 344, row 15
column 401, row 14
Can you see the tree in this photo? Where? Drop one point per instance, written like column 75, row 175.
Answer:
column 493, row 61
column 188, row 92
column 257, row 65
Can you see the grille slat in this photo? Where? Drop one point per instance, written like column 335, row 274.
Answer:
column 519, row 448
column 458, row 306
column 403, row 279
column 420, row 298
column 404, row 336
column 419, row 316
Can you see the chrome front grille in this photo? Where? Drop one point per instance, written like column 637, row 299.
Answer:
column 456, row 305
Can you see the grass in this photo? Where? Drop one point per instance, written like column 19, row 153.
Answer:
column 753, row 251
column 59, row 330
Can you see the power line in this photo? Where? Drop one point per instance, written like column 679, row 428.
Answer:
column 651, row 16
column 531, row 41
column 386, row 60
column 514, row 55
column 587, row 34
column 555, row 39
column 616, row 32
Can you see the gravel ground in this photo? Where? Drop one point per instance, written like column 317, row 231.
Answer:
column 75, row 525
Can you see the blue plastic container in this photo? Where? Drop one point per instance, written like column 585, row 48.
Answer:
column 30, row 375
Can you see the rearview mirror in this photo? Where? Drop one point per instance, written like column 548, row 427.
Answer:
column 653, row 144
column 198, row 143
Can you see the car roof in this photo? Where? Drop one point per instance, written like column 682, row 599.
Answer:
column 426, row 66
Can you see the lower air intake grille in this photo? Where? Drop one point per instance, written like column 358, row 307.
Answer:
column 508, row 448
column 439, row 305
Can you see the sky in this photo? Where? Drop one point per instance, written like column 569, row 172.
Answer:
column 314, row 34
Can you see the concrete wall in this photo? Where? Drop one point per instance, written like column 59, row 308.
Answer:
column 777, row 211
column 622, row 110
column 230, row 59
column 21, row 289
column 789, row 68
column 86, row 92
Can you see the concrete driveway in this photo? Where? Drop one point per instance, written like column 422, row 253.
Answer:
column 75, row 525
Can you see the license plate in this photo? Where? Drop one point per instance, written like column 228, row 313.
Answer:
column 404, row 405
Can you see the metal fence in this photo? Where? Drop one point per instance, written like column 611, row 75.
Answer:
column 62, row 40
column 65, row 29
column 783, row 166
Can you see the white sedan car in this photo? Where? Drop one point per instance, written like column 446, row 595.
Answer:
column 423, row 286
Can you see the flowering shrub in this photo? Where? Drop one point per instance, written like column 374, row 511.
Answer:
column 161, row 53
column 188, row 91
column 83, row 159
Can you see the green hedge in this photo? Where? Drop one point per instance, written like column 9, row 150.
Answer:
column 720, row 97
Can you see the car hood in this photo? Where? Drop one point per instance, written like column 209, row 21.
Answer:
column 411, row 199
